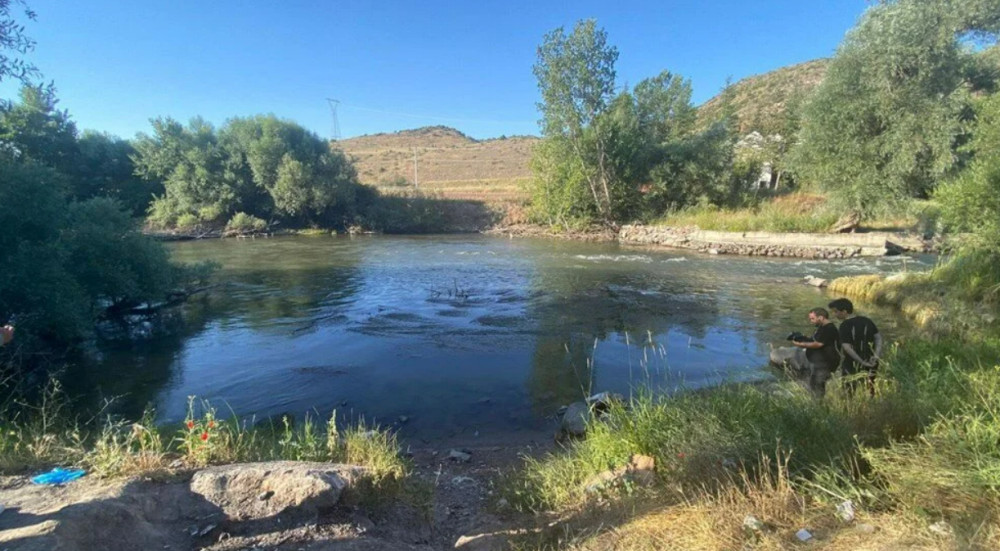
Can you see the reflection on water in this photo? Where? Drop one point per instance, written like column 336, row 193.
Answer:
column 462, row 335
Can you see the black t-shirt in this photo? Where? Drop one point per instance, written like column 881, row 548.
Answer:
column 829, row 355
column 859, row 332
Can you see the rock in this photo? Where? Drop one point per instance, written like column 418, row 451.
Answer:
column 791, row 358
column 294, row 487
column 575, row 419
column 803, row 535
column 865, row 528
column 941, row 528
column 815, row 281
column 640, row 470
column 846, row 511
column 752, row 523
column 459, row 456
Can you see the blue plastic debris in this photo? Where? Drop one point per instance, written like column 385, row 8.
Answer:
column 58, row 476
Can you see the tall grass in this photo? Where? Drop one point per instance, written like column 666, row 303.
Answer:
column 923, row 449
column 48, row 436
column 796, row 212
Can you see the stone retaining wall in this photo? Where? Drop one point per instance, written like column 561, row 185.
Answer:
column 798, row 245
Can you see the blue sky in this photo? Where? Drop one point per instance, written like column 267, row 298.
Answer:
column 393, row 65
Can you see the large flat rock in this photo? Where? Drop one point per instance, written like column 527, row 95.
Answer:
column 260, row 490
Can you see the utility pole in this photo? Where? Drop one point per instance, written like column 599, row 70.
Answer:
column 416, row 182
column 333, row 111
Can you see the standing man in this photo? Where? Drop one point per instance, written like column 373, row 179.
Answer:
column 860, row 340
column 823, row 352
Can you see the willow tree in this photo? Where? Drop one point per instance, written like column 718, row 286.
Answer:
column 885, row 123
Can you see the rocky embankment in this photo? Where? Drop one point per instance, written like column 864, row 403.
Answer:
column 797, row 245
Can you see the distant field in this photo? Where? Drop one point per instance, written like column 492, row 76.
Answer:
column 448, row 163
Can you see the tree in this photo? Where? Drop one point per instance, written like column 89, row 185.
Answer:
column 970, row 203
column 576, row 77
column 14, row 43
column 35, row 129
column 884, row 124
column 261, row 166
column 105, row 169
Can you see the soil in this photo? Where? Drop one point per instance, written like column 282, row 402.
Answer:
column 452, row 499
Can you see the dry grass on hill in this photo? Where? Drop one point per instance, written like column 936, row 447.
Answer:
column 449, row 163
column 760, row 100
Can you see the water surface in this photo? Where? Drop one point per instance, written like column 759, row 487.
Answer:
column 463, row 335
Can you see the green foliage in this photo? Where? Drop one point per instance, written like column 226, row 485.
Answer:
column 14, row 43
column 602, row 151
column 971, row 202
column 64, row 262
column 262, row 166
column 105, row 169
column 94, row 165
column 242, row 222
column 884, row 124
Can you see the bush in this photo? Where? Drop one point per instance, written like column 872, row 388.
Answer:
column 242, row 222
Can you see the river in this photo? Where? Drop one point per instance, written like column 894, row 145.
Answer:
column 449, row 337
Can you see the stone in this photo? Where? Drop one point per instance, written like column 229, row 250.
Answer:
column 941, row 528
column 791, row 358
column 575, row 419
column 804, row 535
column 459, row 456
column 640, row 470
column 846, row 511
column 815, row 281
column 752, row 523
column 294, row 487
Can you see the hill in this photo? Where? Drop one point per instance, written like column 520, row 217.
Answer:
column 455, row 166
column 447, row 161
column 760, row 100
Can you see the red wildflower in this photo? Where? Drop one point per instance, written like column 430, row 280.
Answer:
column 204, row 437
column 190, row 424
column 211, row 424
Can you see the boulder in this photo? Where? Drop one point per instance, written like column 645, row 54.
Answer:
column 790, row 358
column 259, row 490
column 575, row 419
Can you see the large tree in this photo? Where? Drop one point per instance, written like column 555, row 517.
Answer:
column 885, row 123
column 576, row 77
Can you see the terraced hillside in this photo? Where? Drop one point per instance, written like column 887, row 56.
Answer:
column 447, row 162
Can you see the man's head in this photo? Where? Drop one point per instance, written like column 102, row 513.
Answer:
column 818, row 316
column 841, row 308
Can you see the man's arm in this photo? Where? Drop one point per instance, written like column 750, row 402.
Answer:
column 853, row 354
column 878, row 347
column 811, row 344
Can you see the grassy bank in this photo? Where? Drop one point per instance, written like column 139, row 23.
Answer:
column 45, row 436
column 918, row 461
column 922, row 450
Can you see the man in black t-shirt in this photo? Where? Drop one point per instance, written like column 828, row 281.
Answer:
column 860, row 340
column 823, row 352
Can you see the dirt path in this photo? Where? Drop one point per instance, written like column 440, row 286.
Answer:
column 454, row 498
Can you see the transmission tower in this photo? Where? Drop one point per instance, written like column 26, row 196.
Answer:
column 333, row 111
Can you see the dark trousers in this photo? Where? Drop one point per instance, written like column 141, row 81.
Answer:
column 818, row 376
